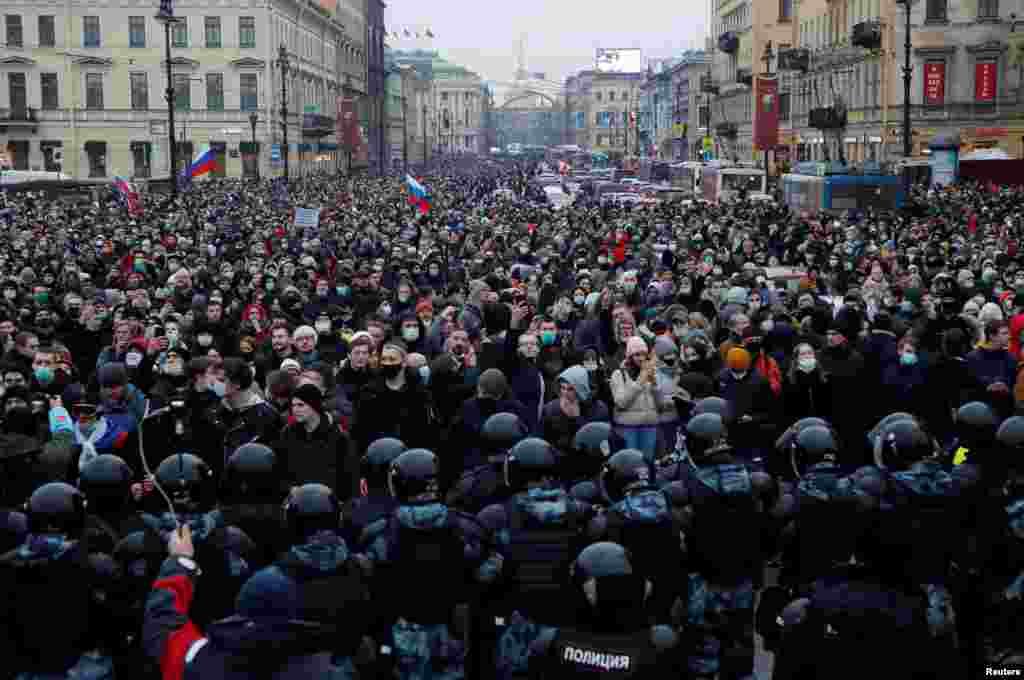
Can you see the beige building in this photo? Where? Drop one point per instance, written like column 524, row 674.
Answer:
column 742, row 30
column 84, row 92
column 602, row 107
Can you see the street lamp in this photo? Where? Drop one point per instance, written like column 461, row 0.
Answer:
column 253, row 119
column 767, row 72
column 284, row 68
column 166, row 16
column 907, row 71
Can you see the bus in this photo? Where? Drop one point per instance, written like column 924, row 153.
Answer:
column 840, row 193
column 721, row 184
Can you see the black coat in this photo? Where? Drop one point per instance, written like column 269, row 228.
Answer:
column 407, row 414
column 323, row 456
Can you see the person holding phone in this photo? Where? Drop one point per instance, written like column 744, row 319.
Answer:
column 638, row 402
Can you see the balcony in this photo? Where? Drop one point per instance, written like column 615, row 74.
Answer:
column 316, row 125
column 728, row 42
column 797, row 59
column 19, row 118
column 867, row 34
column 727, row 130
column 826, row 118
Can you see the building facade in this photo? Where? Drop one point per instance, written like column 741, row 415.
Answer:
column 965, row 80
column 603, row 109
column 668, row 131
column 84, row 93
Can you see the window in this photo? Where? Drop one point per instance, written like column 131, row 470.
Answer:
column 247, row 32
column 935, row 11
column 140, row 91
column 988, row 9
column 48, row 88
column 47, row 33
column 250, row 93
column 17, row 92
column 785, row 10
column 14, row 32
column 90, row 31
column 18, row 150
column 220, row 150
column 212, row 25
column 444, row 96
column 141, row 156
column 625, row 95
column 215, row 91
column 53, row 155
column 182, row 92
column 136, row 31
column 597, row 95
column 784, row 106
column 179, row 33
column 611, row 96
column 94, row 90
column 97, row 153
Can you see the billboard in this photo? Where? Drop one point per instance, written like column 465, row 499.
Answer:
column 618, row 60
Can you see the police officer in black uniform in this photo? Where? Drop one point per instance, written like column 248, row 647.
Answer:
column 641, row 519
column 612, row 636
column 376, row 501
column 47, row 587
column 483, row 485
column 592, row 446
column 251, row 493
column 226, row 551
column 106, row 481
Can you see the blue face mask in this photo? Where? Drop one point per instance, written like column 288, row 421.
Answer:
column 425, row 374
column 908, row 358
column 44, row 374
column 219, row 388
column 548, row 337
column 342, row 290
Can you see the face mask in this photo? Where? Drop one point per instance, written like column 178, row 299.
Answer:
column 908, row 358
column 410, row 334
column 219, row 388
column 629, row 287
column 204, row 340
column 385, row 310
column 323, row 327
column 807, row 364
column 579, row 299
column 133, row 359
column 739, row 375
column 434, row 272
column 44, row 375
column 390, row 370
column 681, row 331
column 548, row 338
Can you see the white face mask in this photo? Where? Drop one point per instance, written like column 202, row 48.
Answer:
column 410, row 334
column 739, row 375
column 323, row 327
column 807, row 364
column 132, row 359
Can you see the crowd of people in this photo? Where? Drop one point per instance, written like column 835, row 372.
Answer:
column 490, row 438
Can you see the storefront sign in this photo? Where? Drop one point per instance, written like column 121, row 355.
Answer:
column 990, row 132
column 985, row 81
column 934, row 83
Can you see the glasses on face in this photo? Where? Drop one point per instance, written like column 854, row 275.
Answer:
column 528, row 344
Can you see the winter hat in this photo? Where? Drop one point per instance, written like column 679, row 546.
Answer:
column 738, row 359
column 493, row 383
column 113, row 374
column 665, row 346
column 424, row 305
column 635, row 345
column 268, row 594
column 310, row 394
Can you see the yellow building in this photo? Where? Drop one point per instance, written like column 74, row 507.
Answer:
column 85, row 93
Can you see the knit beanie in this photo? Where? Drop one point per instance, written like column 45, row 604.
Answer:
column 738, row 359
column 310, row 394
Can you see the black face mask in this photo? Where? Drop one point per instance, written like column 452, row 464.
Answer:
column 390, row 370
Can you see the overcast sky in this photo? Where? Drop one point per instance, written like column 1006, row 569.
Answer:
column 484, row 35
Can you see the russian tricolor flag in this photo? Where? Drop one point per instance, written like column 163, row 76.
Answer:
column 206, row 162
column 417, row 194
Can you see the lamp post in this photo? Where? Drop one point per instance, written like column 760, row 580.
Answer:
column 907, row 71
column 350, row 113
column 424, row 135
column 284, row 68
column 767, row 73
column 165, row 16
column 253, row 119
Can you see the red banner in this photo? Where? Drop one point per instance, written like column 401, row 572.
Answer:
column 347, row 126
column 935, row 83
column 985, row 81
column 766, row 119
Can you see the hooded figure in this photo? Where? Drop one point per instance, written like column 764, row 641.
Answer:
column 575, row 406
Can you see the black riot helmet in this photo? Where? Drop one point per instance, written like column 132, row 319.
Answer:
column 876, row 431
column 813, row 445
column 311, row 508
column 251, row 474
column 531, row 460
column 605, row 574
column 56, row 507
column 500, row 433
column 1010, row 439
column 106, row 481
column 977, row 424
column 705, row 434
column 593, row 444
column 712, row 405
column 378, row 458
column 902, row 443
column 415, row 477
column 140, row 555
column 188, row 480
column 625, row 472
column 784, row 443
